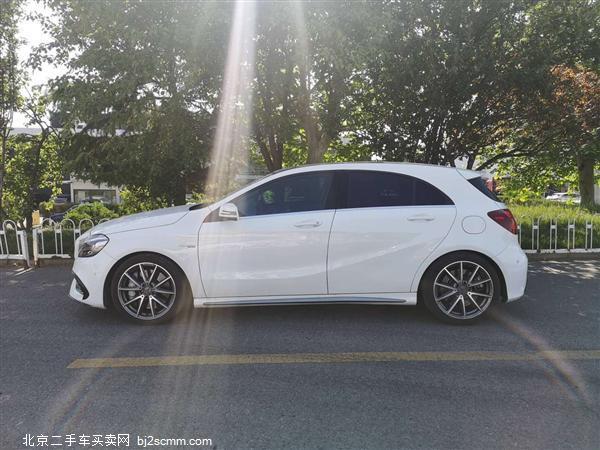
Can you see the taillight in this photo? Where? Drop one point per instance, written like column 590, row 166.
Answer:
column 504, row 218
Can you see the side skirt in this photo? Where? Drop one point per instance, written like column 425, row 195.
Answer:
column 394, row 298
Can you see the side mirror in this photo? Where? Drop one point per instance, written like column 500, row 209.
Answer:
column 229, row 211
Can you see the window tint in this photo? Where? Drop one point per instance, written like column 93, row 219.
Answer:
column 293, row 193
column 426, row 194
column 481, row 185
column 376, row 189
column 370, row 189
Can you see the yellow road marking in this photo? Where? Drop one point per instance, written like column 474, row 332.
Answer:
column 325, row 358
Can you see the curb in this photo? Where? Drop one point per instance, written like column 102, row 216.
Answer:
column 563, row 256
column 55, row 262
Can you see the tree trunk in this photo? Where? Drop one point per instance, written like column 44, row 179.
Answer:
column 585, row 169
column 179, row 194
column 316, row 139
column 35, row 182
column 2, row 173
column 470, row 162
column 317, row 144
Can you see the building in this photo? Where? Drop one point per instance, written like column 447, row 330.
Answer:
column 81, row 191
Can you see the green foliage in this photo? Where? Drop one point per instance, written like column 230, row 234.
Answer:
column 11, row 80
column 11, row 76
column 558, row 125
column 53, row 243
column 34, row 165
column 95, row 211
column 411, row 80
column 144, row 77
column 440, row 79
column 134, row 200
column 275, row 88
column 199, row 198
column 522, row 179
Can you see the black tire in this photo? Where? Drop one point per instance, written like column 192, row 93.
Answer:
column 156, row 306
column 471, row 301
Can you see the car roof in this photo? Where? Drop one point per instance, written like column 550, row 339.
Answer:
column 368, row 164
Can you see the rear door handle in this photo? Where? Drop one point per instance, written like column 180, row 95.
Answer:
column 421, row 218
column 308, row 224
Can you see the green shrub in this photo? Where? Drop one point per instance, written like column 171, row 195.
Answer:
column 134, row 200
column 561, row 213
column 95, row 212
column 9, row 239
column 52, row 242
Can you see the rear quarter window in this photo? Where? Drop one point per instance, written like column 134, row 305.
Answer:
column 481, row 185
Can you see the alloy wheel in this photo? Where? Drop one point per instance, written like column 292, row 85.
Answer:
column 146, row 291
column 463, row 290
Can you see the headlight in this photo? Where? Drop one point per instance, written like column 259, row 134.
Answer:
column 92, row 245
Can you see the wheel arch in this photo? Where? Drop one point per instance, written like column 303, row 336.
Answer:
column 503, row 290
column 106, row 289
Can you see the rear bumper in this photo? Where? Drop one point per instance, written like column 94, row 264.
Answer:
column 513, row 264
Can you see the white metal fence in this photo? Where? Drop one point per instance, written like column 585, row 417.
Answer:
column 565, row 239
column 57, row 239
column 48, row 240
column 13, row 242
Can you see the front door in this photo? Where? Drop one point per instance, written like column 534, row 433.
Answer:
column 278, row 246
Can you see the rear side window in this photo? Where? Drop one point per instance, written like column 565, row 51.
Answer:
column 367, row 189
column 481, row 185
column 426, row 194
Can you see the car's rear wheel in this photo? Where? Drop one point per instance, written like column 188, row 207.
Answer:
column 149, row 288
column 460, row 288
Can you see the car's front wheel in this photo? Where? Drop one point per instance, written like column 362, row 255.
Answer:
column 459, row 288
column 149, row 288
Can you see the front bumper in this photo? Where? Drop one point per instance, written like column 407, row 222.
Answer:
column 89, row 276
column 78, row 290
column 513, row 264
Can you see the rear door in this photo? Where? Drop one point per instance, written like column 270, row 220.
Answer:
column 386, row 225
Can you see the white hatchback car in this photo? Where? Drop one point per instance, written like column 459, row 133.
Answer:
column 383, row 233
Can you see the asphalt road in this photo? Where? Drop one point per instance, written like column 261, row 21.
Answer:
column 479, row 401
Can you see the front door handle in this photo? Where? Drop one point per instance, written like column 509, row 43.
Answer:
column 308, row 224
column 421, row 218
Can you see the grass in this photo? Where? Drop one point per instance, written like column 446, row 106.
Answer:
column 561, row 214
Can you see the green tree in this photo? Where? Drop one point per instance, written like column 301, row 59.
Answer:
column 308, row 77
column 334, row 39
column 440, row 83
column 143, row 79
column 275, row 87
column 34, row 162
column 559, row 129
column 134, row 200
column 565, row 126
column 95, row 211
column 10, row 81
column 34, row 166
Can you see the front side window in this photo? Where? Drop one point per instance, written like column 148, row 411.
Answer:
column 368, row 189
column 292, row 193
